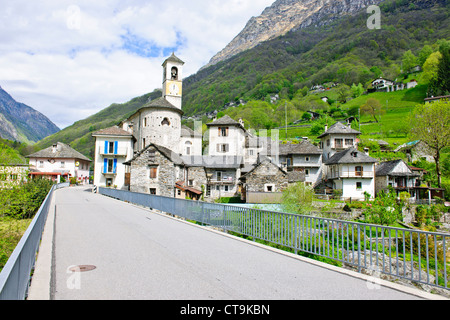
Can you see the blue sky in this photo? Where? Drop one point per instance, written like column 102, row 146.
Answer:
column 70, row 59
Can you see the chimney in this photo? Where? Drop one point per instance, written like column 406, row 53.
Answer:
column 54, row 148
column 241, row 122
column 366, row 151
column 326, row 127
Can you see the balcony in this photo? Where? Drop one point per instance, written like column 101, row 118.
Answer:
column 351, row 174
column 229, row 180
column 107, row 171
column 120, row 152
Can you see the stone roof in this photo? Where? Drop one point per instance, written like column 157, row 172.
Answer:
column 112, row 131
column 169, row 154
column 351, row 155
column 173, row 58
column 62, row 151
column 161, row 103
column 339, row 128
column 225, row 120
column 303, row 147
column 387, row 169
column 188, row 132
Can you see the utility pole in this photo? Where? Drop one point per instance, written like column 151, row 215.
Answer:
column 285, row 113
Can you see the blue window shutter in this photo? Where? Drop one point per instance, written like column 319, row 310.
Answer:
column 115, row 166
column 116, row 146
column 106, row 147
column 105, row 165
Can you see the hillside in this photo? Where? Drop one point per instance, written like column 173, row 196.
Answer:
column 343, row 50
column 22, row 123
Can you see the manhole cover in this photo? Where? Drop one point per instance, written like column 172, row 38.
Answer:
column 83, row 268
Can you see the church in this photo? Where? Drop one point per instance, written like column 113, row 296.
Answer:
column 152, row 152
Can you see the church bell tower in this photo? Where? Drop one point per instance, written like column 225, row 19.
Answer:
column 172, row 80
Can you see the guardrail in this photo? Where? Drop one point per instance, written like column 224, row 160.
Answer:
column 15, row 276
column 414, row 255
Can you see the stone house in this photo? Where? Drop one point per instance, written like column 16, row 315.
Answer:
column 351, row 171
column 395, row 174
column 266, row 182
column 337, row 138
column 302, row 157
column 156, row 170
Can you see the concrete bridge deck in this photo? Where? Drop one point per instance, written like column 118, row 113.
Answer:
column 139, row 254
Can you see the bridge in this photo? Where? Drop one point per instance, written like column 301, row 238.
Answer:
column 94, row 246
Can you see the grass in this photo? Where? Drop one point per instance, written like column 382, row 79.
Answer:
column 11, row 231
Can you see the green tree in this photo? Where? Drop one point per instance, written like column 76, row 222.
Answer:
column 409, row 61
column 384, row 210
column 443, row 71
column 357, row 90
column 430, row 67
column 373, row 108
column 424, row 54
column 297, row 198
column 430, row 123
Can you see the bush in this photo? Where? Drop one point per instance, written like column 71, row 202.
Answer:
column 22, row 202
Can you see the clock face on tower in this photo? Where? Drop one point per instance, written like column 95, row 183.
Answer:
column 173, row 88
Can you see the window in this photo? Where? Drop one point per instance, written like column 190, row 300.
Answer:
column 41, row 164
column 223, row 132
column 153, row 191
column 219, row 176
column 269, row 188
column 63, row 164
column 110, row 165
column 165, row 122
column 153, row 172
column 250, row 152
column 338, row 143
column 349, row 142
column 359, row 171
column 328, row 142
column 111, row 147
column 191, row 183
column 223, row 147
column 307, row 159
column 109, row 182
column 359, row 186
column 179, row 192
column 226, row 188
column 307, row 172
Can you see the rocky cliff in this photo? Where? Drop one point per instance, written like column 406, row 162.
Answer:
column 286, row 15
column 22, row 123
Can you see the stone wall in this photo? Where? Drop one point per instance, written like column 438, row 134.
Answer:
column 265, row 174
column 167, row 173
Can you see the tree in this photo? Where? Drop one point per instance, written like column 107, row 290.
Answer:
column 373, row 107
column 384, row 210
column 443, row 71
column 297, row 198
column 430, row 67
column 409, row 61
column 430, row 123
column 357, row 90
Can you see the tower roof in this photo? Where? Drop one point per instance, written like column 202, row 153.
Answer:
column 173, row 58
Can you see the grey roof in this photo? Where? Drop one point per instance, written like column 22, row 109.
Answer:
column 213, row 162
column 162, row 103
column 303, row 147
column 62, row 151
column 112, row 131
column 225, row 120
column 188, row 132
column 386, row 169
column 339, row 128
column 173, row 58
column 171, row 155
column 351, row 155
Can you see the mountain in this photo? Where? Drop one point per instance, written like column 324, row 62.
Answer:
column 335, row 48
column 22, row 123
column 286, row 15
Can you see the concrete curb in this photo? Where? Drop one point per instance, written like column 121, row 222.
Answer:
column 40, row 288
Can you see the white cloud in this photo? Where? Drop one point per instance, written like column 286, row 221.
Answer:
column 70, row 59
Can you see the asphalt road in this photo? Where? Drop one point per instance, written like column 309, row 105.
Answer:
column 139, row 254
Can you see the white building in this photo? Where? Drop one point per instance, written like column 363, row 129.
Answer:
column 113, row 147
column 353, row 172
column 60, row 160
column 338, row 137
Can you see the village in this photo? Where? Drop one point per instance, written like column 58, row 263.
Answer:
column 152, row 152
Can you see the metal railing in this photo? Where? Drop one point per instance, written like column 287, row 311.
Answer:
column 414, row 255
column 16, row 274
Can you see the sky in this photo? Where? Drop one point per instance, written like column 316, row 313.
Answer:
column 71, row 59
